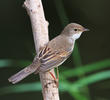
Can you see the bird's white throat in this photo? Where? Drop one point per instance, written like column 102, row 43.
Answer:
column 76, row 36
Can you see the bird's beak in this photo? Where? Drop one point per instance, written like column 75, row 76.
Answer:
column 85, row 29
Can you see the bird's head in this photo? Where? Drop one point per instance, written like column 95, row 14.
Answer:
column 74, row 30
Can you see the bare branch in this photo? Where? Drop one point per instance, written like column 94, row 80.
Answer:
column 40, row 34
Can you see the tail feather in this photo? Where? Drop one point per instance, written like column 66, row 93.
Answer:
column 23, row 73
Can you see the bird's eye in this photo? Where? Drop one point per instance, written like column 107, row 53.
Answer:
column 75, row 29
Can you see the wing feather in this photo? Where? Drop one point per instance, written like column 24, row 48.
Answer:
column 52, row 58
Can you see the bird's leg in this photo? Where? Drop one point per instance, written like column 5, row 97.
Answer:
column 57, row 76
column 55, row 79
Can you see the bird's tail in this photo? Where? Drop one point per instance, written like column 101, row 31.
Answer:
column 24, row 72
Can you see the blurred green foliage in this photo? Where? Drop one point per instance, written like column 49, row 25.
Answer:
column 73, row 88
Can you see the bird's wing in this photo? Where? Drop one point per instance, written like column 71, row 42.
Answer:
column 51, row 58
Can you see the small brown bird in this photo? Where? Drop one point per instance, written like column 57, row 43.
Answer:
column 53, row 54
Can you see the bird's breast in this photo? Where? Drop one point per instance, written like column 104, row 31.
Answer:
column 70, row 44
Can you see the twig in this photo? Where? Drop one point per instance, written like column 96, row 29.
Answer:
column 40, row 34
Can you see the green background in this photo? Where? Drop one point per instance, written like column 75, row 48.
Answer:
column 84, row 76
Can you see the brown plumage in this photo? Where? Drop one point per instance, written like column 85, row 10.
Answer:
column 53, row 54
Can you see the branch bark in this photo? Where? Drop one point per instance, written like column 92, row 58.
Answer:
column 40, row 34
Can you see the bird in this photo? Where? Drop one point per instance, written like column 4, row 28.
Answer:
column 53, row 54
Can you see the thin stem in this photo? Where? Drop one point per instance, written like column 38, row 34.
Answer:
column 40, row 34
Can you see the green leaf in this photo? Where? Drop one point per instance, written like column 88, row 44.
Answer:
column 91, row 79
column 76, row 56
column 74, row 88
column 21, row 88
column 11, row 62
column 86, row 69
